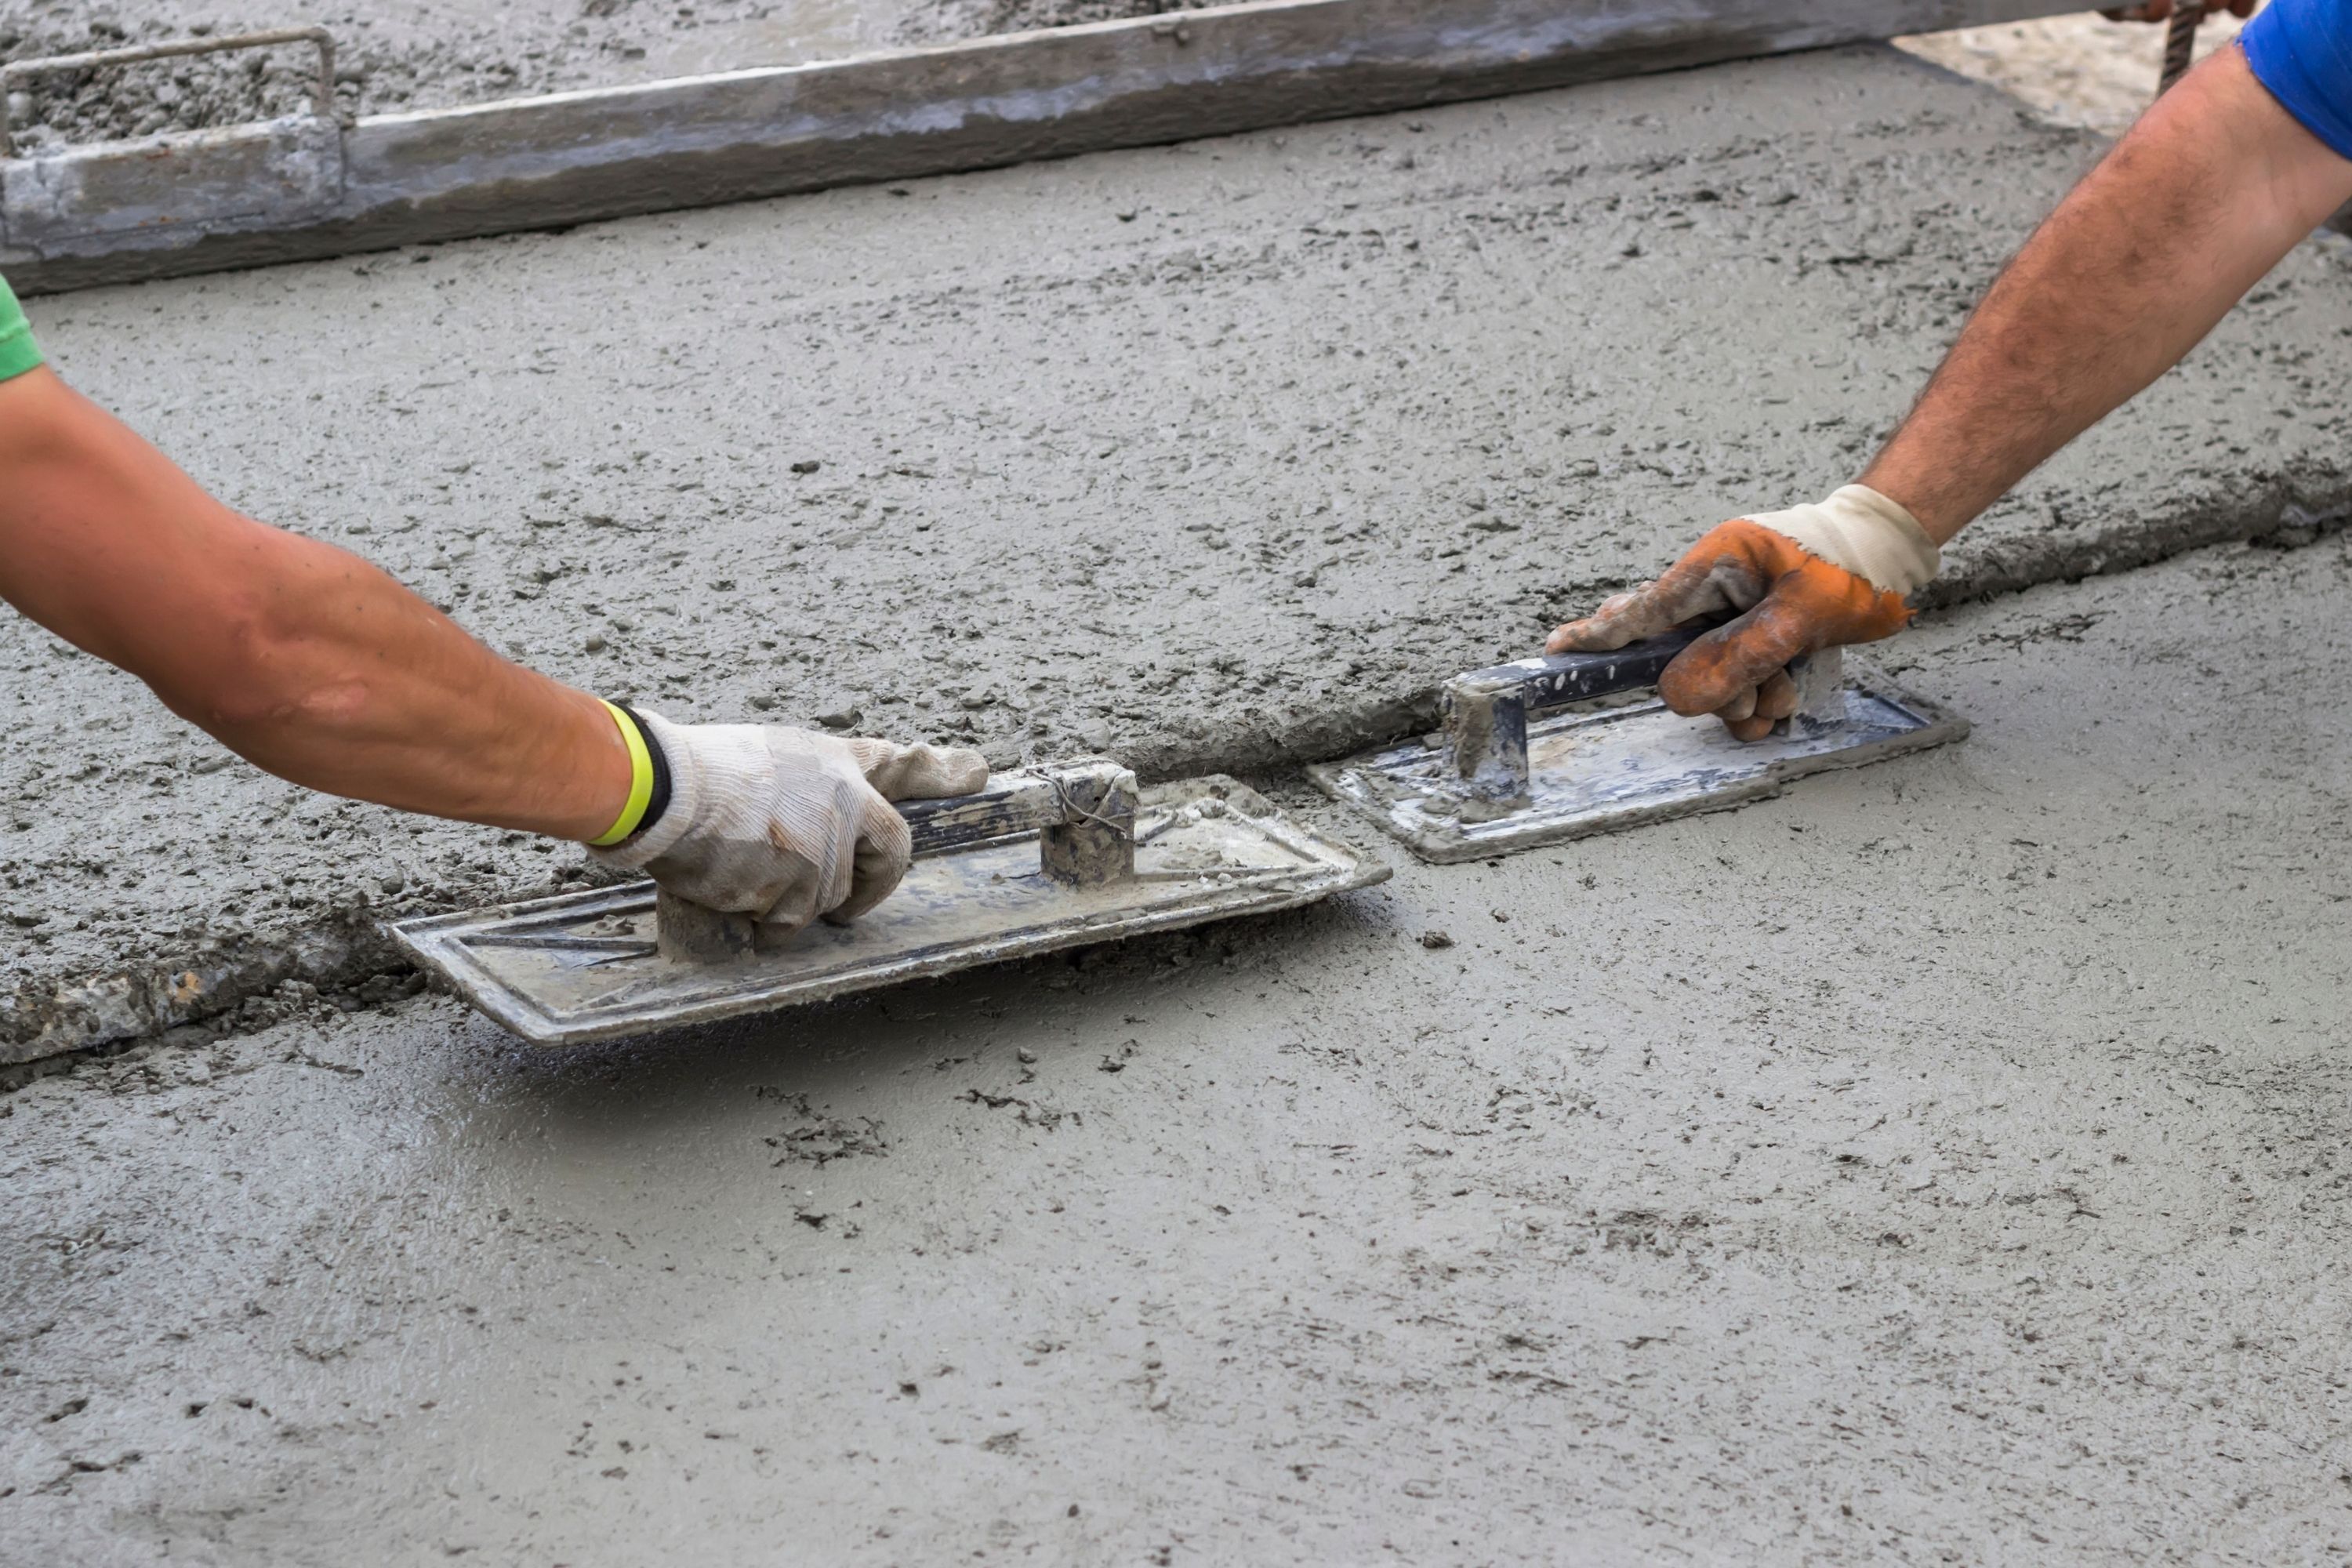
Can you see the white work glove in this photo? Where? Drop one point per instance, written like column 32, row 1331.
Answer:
column 1868, row 534
column 786, row 825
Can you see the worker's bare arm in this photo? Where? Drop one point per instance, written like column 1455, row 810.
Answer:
column 317, row 666
column 2206, row 194
column 298, row 655
column 2203, row 196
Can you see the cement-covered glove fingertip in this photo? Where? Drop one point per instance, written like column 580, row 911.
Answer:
column 919, row 772
column 1573, row 636
column 1608, row 628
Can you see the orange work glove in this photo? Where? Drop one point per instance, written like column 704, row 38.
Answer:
column 1795, row 580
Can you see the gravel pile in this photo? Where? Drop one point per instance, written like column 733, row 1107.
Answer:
column 424, row 54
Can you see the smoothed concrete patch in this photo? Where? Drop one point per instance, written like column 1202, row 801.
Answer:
column 1944, row 1162
column 1220, row 454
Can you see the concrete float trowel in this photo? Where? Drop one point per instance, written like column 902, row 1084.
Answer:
column 1061, row 857
column 1497, row 778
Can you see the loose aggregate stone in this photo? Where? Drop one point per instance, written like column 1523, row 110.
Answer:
column 432, row 53
column 1943, row 1162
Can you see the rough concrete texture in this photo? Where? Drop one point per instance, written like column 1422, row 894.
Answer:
column 428, row 54
column 972, row 18
column 424, row 54
column 1942, row 1163
column 1219, row 455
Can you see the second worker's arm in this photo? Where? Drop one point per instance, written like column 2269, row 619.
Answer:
column 2205, row 195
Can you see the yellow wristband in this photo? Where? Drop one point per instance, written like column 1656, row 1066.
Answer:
column 641, row 781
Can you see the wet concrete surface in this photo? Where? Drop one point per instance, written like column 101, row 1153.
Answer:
column 1943, row 1162
column 1210, row 456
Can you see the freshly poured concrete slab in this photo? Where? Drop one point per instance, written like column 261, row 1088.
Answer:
column 1943, row 1161
column 1217, row 455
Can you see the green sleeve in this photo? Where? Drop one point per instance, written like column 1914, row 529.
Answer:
column 18, row 351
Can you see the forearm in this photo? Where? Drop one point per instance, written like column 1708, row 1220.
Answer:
column 2205, row 195
column 300, row 656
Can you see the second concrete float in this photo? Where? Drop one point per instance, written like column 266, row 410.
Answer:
column 1500, row 778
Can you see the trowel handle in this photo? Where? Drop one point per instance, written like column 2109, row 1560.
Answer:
column 1557, row 679
column 1083, row 814
column 1009, row 803
column 2179, row 43
column 1487, row 710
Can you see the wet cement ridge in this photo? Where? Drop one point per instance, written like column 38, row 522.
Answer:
column 48, row 1022
column 77, row 1014
column 301, row 188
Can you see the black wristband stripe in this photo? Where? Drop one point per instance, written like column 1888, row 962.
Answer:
column 658, row 801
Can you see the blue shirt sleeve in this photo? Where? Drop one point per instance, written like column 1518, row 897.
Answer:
column 2302, row 52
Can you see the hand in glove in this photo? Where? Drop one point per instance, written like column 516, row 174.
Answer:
column 1795, row 580
column 785, row 825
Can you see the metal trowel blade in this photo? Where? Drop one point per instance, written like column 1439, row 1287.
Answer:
column 1602, row 771
column 583, row 966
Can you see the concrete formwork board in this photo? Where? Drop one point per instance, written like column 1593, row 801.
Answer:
column 306, row 189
